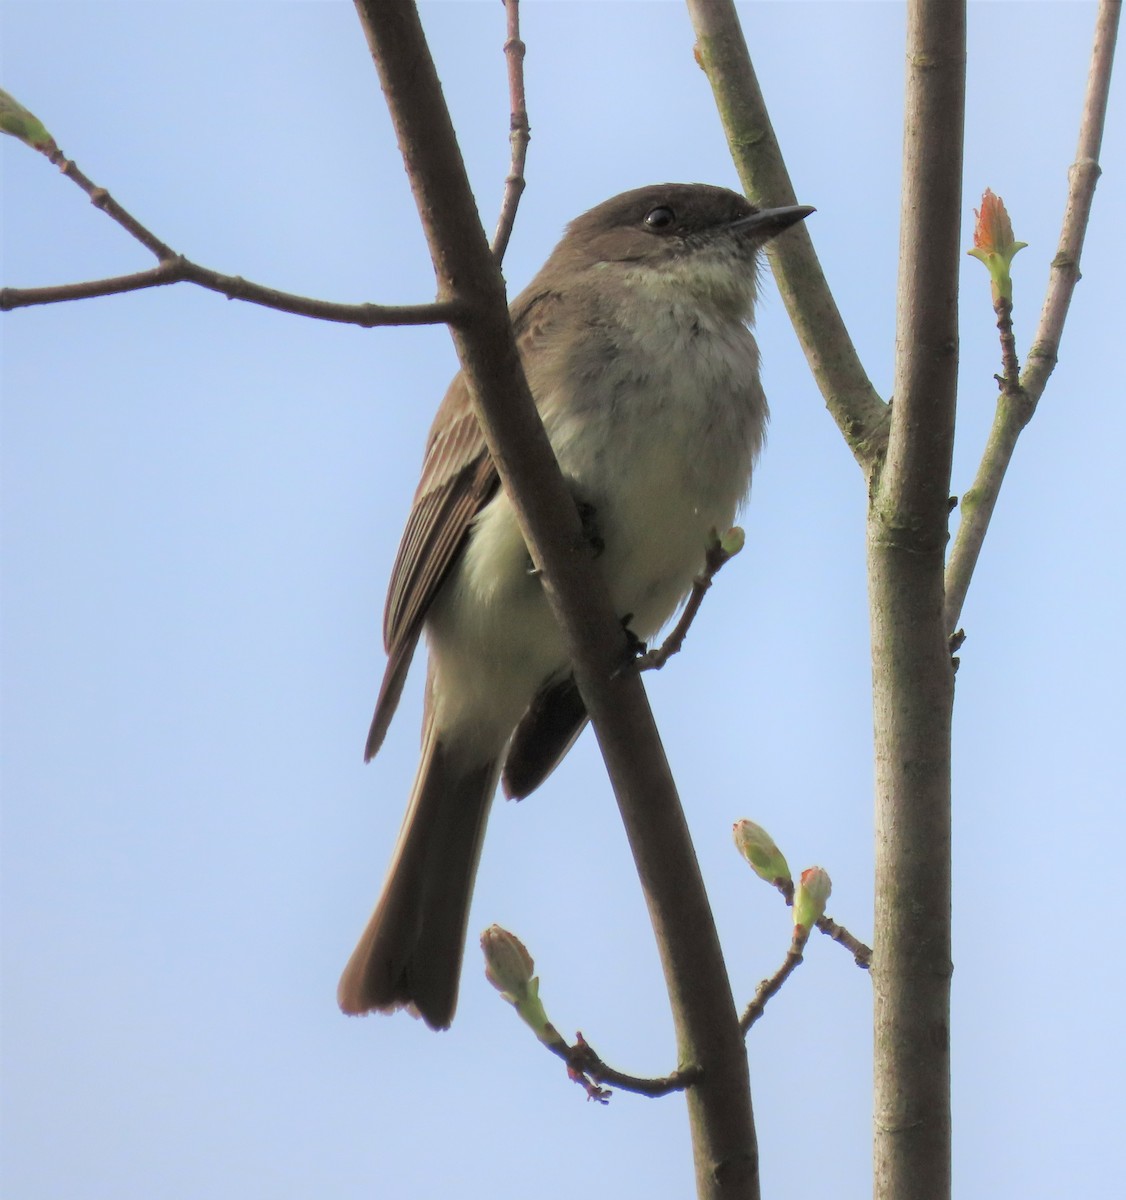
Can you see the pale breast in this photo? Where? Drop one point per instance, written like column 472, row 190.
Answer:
column 660, row 436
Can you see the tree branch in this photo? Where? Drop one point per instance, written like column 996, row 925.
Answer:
column 700, row 993
column 912, row 673
column 234, row 287
column 770, row 987
column 174, row 268
column 849, row 395
column 582, row 1060
column 519, row 134
column 715, row 558
column 101, row 199
column 1015, row 409
column 861, row 954
column 1082, row 178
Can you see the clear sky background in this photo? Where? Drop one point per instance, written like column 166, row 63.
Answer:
column 201, row 505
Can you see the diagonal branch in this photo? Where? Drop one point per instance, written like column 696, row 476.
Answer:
column 849, row 395
column 1082, row 178
column 1015, row 410
column 716, row 556
column 101, row 199
column 699, row 990
column 769, row 988
column 174, row 268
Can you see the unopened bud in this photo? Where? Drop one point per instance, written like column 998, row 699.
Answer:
column 811, row 896
column 732, row 541
column 759, row 849
column 508, row 967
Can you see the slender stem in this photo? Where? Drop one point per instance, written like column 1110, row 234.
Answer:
column 703, row 1008
column 519, row 132
column 174, row 268
column 861, row 954
column 234, row 287
column 912, row 674
column 715, row 557
column 1082, row 177
column 1010, row 363
column 771, row 987
column 977, row 503
column 1014, row 411
column 101, row 199
column 849, row 395
column 582, row 1060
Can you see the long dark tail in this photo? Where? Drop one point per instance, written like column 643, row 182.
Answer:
column 410, row 953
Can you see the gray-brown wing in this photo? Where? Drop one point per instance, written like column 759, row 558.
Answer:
column 458, row 478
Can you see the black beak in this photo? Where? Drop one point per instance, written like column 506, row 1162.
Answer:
column 771, row 221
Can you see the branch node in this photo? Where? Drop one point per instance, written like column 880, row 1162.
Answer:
column 585, row 1067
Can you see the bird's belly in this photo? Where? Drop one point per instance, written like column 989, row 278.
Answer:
column 655, row 525
column 661, row 467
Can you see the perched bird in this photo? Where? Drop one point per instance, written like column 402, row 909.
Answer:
column 635, row 343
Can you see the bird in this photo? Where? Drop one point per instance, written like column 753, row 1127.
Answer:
column 635, row 340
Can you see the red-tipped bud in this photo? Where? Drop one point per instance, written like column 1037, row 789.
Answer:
column 810, row 897
column 759, row 849
column 994, row 243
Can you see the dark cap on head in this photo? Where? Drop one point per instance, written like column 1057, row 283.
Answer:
column 666, row 220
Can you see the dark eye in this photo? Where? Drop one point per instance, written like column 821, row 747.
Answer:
column 659, row 218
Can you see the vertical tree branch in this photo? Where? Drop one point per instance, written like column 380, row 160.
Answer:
column 703, row 1008
column 519, row 131
column 912, row 675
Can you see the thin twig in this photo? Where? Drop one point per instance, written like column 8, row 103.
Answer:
column 1015, row 410
column 862, row 955
column 1009, row 378
column 101, row 199
column 770, row 987
column 234, row 287
column 519, row 131
column 653, row 660
column 587, row 1068
column 174, row 268
column 1082, row 178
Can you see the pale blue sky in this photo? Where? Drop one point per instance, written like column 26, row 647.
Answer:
column 201, row 504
